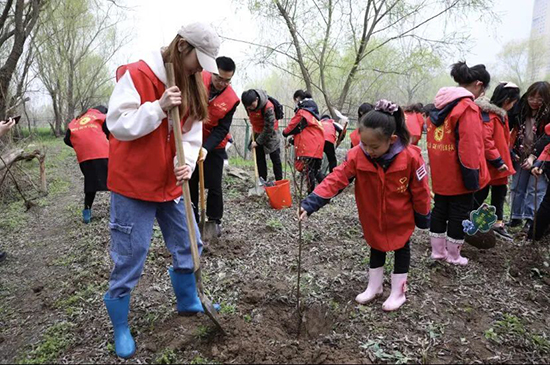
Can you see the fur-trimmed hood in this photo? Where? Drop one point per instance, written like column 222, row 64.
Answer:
column 485, row 105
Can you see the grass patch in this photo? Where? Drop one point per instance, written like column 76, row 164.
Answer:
column 55, row 341
column 168, row 356
column 13, row 216
column 275, row 224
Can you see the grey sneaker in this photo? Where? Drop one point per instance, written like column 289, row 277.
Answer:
column 503, row 233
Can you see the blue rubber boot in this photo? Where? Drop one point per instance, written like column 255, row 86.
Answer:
column 86, row 215
column 125, row 346
column 185, row 288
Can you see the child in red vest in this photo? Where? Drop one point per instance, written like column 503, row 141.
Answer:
column 415, row 122
column 392, row 195
column 332, row 131
column 309, row 137
column 542, row 219
column 457, row 159
column 89, row 137
column 494, row 114
column 354, row 136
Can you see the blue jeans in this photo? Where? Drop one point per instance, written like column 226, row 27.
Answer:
column 131, row 228
column 522, row 193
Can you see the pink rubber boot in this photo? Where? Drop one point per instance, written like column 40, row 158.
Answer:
column 397, row 297
column 375, row 287
column 439, row 248
column 453, row 250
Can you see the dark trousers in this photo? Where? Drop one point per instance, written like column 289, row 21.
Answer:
column 542, row 218
column 213, row 173
column 89, row 200
column 449, row 212
column 275, row 157
column 330, row 152
column 498, row 197
column 311, row 171
column 402, row 259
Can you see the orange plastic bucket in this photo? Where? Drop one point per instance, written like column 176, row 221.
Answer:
column 279, row 195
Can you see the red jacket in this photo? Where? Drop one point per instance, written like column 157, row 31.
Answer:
column 388, row 201
column 257, row 118
column 355, row 138
column 87, row 136
column 144, row 168
column 415, row 124
column 455, row 148
column 311, row 140
column 217, row 108
column 545, row 155
column 329, row 130
column 496, row 133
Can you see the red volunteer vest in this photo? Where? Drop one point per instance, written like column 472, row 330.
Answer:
column 217, row 108
column 386, row 200
column 545, row 155
column 447, row 151
column 87, row 136
column 311, row 140
column 414, row 122
column 329, row 130
column 497, row 142
column 355, row 137
column 257, row 118
column 144, row 168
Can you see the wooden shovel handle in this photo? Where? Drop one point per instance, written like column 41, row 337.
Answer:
column 256, row 173
column 201, row 183
column 176, row 121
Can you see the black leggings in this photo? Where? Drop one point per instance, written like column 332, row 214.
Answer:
column 402, row 259
column 543, row 219
column 448, row 214
column 498, row 197
column 311, row 170
column 262, row 163
column 89, row 200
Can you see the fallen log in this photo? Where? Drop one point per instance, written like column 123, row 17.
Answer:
column 10, row 158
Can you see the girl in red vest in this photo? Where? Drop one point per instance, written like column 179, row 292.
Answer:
column 528, row 120
column 542, row 166
column 332, row 132
column 89, row 137
column 392, row 195
column 354, row 136
column 144, row 183
column 309, row 137
column 494, row 114
column 457, row 159
column 415, row 122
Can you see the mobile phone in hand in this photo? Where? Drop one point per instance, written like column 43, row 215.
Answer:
column 16, row 119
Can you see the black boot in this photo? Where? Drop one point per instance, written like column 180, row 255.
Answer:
column 2, row 255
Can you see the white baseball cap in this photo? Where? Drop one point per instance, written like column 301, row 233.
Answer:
column 206, row 42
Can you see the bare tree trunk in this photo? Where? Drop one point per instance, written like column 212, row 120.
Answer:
column 296, row 42
column 24, row 21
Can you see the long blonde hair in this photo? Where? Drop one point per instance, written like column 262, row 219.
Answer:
column 194, row 99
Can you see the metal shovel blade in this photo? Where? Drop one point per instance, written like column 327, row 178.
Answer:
column 257, row 190
column 209, row 232
column 207, row 305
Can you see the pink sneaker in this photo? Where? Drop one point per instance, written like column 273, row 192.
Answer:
column 453, row 250
column 397, row 297
column 375, row 287
column 439, row 249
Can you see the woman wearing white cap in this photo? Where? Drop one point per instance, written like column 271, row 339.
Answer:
column 142, row 178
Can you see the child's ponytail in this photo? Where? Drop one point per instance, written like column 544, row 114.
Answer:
column 389, row 118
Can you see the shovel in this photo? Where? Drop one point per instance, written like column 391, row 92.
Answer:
column 257, row 189
column 175, row 116
column 207, row 228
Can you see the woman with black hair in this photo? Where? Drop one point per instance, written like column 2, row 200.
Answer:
column 494, row 113
column 458, row 166
column 392, row 195
column 363, row 109
column 309, row 137
column 88, row 135
column 528, row 140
